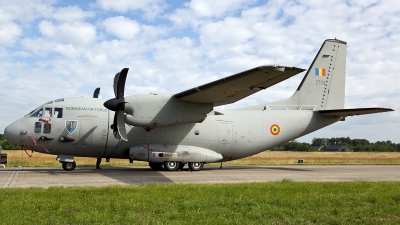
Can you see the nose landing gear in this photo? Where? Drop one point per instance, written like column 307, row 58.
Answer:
column 68, row 162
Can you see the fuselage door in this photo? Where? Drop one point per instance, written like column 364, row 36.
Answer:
column 225, row 139
column 86, row 133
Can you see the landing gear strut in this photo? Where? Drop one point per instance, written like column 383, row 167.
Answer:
column 68, row 166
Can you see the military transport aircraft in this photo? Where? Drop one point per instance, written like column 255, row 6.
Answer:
column 170, row 131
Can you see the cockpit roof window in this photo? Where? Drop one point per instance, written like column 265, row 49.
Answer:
column 59, row 100
column 50, row 102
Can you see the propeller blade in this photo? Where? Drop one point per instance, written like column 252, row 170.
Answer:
column 121, row 83
column 96, row 93
column 115, row 128
column 116, row 78
column 120, row 117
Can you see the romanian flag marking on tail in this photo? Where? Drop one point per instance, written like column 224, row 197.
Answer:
column 320, row 72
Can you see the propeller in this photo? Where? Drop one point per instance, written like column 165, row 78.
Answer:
column 117, row 105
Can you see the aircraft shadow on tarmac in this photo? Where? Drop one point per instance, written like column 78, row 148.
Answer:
column 291, row 168
column 140, row 175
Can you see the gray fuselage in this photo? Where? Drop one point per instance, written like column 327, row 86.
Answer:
column 233, row 133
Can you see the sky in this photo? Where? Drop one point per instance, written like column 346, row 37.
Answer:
column 53, row 49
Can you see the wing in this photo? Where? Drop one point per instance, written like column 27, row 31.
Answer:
column 353, row 112
column 233, row 88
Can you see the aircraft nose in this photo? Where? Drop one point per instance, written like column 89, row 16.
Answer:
column 12, row 134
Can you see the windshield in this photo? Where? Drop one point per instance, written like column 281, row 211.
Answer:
column 38, row 113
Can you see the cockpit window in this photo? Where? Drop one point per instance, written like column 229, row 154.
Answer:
column 31, row 112
column 48, row 112
column 58, row 112
column 38, row 113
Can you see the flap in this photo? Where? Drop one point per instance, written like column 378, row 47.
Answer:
column 233, row 88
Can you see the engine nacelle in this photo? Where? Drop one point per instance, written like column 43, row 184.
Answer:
column 155, row 110
column 179, row 153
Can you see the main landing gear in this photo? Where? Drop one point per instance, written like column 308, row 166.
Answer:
column 174, row 166
column 68, row 166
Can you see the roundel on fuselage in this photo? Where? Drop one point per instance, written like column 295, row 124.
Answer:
column 275, row 129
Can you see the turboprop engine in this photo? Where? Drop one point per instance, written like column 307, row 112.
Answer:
column 150, row 110
column 153, row 110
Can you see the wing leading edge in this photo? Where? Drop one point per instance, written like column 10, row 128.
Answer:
column 353, row 112
column 233, row 88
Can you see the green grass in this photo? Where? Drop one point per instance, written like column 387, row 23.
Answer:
column 284, row 202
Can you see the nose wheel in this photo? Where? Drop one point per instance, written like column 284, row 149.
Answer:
column 68, row 166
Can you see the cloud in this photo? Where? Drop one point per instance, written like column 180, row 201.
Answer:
column 151, row 8
column 9, row 32
column 197, row 12
column 25, row 11
column 71, row 13
column 79, row 33
column 122, row 27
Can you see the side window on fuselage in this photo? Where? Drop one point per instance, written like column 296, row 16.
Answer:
column 38, row 127
column 47, row 128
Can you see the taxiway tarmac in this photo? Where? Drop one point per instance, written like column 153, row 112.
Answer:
column 18, row 177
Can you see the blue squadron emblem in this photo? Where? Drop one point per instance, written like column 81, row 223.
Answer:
column 71, row 125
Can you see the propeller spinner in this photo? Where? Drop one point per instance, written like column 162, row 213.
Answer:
column 117, row 105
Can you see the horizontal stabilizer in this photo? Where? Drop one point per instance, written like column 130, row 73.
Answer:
column 353, row 112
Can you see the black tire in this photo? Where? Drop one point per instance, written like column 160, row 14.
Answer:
column 196, row 166
column 68, row 166
column 182, row 165
column 156, row 166
column 171, row 165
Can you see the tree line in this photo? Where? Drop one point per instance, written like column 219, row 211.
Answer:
column 355, row 145
column 7, row 145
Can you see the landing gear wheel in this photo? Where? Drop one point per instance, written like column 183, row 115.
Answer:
column 68, row 166
column 196, row 166
column 171, row 166
column 182, row 165
column 156, row 166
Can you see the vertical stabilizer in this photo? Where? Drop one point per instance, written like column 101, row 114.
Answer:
column 324, row 83
column 323, row 86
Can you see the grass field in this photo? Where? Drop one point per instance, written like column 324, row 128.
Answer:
column 20, row 158
column 284, row 202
